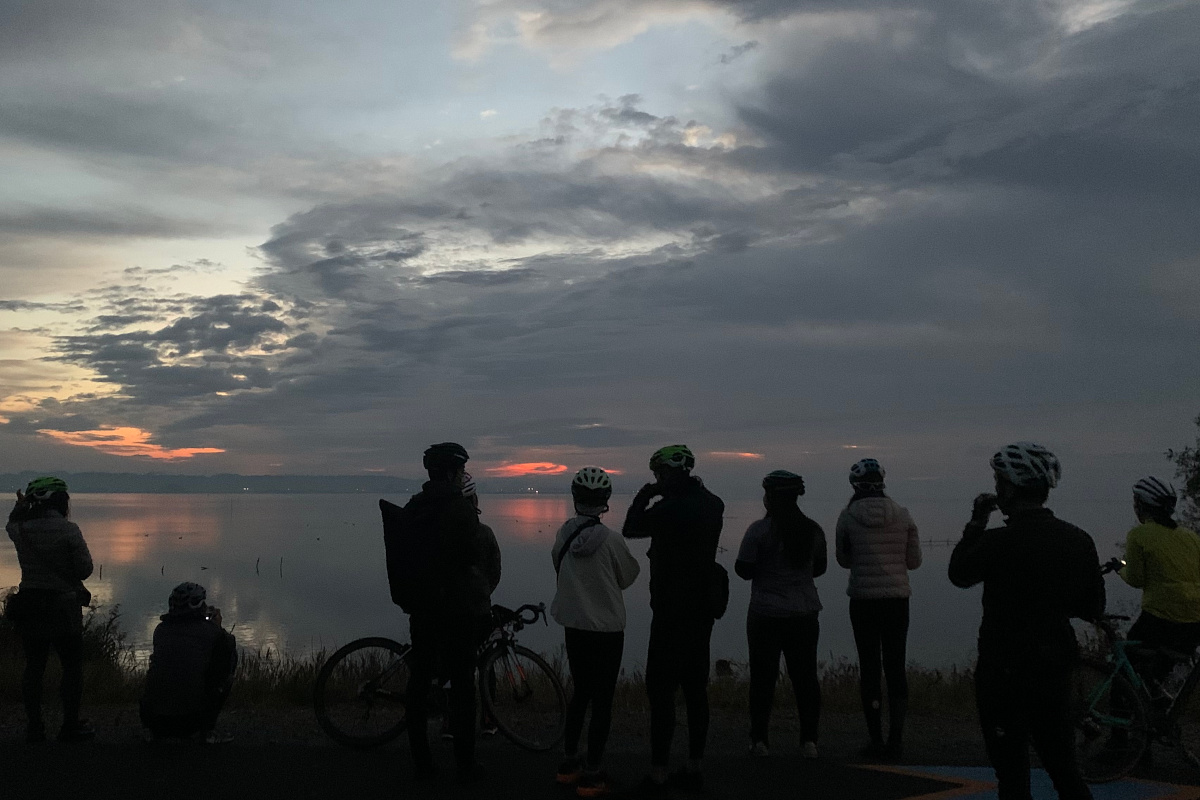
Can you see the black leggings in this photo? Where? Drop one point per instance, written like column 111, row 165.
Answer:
column 881, row 636
column 55, row 622
column 595, row 660
column 185, row 725
column 677, row 659
column 1024, row 701
column 796, row 638
column 1155, row 632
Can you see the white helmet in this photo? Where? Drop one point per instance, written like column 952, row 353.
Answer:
column 1156, row 494
column 860, row 471
column 187, row 596
column 1027, row 464
column 592, row 479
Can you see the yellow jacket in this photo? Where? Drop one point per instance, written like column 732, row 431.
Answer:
column 1165, row 564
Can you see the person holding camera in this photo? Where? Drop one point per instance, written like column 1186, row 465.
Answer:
column 684, row 528
column 47, row 609
column 1038, row 572
column 191, row 669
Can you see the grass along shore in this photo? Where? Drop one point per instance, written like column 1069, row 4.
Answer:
column 114, row 675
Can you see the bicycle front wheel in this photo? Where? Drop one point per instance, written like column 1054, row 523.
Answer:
column 1111, row 723
column 359, row 695
column 1187, row 725
column 524, row 697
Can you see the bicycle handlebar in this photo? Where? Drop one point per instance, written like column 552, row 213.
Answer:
column 520, row 617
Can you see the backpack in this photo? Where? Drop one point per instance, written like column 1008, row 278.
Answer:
column 412, row 557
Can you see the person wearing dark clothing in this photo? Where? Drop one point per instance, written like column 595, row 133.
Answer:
column 191, row 668
column 453, row 617
column 684, row 528
column 48, row 607
column 1038, row 572
column 781, row 554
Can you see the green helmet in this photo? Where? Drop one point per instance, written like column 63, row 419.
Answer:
column 44, row 488
column 674, row 456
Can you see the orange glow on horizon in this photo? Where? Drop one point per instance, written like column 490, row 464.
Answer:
column 526, row 468
column 126, row 442
column 732, row 454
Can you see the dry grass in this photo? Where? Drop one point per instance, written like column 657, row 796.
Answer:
column 266, row 678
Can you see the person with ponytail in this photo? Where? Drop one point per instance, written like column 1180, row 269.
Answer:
column 780, row 555
column 877, row 541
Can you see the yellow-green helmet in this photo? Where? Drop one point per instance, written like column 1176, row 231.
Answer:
column 43, row 488
column 674, row 456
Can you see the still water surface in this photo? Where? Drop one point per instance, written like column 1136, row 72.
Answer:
column 303, row 572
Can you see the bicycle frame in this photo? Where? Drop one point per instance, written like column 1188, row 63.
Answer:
column 1119, row 659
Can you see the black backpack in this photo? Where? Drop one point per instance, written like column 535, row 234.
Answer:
column 412, row 555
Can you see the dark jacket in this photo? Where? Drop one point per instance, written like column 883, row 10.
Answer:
column 1037, row 572
column 465, row 558
column 684, row 528
column 193, row 658
column 51, row 552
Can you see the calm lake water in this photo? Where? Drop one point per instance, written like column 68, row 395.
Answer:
column 303, row 572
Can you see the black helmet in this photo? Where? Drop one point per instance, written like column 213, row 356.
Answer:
column 783, row 481
column 446, row 455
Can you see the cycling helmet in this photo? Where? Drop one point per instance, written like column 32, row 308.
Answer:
column 1027, row 464
column 675, row 456
column 468, row 486
column 783, row 481
column 187, row 597
column 592, row 479
column 1154, row 493
column 867, row 470
column 43, row 488
column 446, row 455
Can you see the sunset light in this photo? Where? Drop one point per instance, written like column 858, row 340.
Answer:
column 526, row 468
column 732, row 454
column 126, row 442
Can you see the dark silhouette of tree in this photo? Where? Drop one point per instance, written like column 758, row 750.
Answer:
column 1187, row 469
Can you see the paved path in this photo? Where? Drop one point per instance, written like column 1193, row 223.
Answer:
column 133, row 771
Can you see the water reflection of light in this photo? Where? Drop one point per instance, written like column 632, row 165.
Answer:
column 530, row 519
column 124, row 529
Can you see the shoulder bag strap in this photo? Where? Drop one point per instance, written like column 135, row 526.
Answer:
column 591, row 523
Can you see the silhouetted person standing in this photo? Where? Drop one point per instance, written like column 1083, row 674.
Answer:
column 191, row 668
column 48, row 607
column 450, row 614
column 684, row 528
column 1037, row 573
column 878, row 542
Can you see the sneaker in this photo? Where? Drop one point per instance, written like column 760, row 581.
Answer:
column 213, row 737
column 81, row 731
column 568, row 771
column 808, row 750
column 759, row 750
column 592, row 784
column 489, row 729
column 687, row 780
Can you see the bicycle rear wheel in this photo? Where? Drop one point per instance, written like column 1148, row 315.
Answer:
column 1112, row 725
column 524, row 697
column 359, row 695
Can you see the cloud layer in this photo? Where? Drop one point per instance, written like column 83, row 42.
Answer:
column 917, row 228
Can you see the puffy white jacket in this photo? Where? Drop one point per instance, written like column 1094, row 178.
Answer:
column 592, row 574
column 877, row 541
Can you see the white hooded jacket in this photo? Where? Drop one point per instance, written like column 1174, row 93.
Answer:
column 878, row 541
column 591, row 576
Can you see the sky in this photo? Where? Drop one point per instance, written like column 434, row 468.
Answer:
column 313, row 238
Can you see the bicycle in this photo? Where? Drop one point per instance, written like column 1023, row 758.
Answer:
column 1119, row 713
column 359, row 695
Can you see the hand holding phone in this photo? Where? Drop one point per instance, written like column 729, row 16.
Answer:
column 983, row 507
